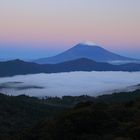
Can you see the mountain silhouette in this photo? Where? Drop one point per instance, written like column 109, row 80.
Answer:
column 84, row 50
column 19, row 67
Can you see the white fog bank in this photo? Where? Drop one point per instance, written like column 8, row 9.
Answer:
column 73, row 83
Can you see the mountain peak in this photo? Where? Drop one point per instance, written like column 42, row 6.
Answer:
column 85, row 49
column 89, row 43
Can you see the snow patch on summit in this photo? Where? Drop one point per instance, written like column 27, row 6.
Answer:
column 89, row 43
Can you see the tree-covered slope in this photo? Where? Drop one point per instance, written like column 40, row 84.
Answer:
column 18, row 114
column 92, row 121
column 107, row 117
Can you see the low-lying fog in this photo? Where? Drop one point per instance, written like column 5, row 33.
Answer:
column 73, row 83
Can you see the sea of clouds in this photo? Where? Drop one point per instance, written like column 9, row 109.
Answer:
column 73, row 83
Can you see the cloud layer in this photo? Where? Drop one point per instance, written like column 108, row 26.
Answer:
column 74, row 83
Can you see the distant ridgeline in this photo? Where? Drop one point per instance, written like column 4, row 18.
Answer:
column 19, row 67
column 85, row 56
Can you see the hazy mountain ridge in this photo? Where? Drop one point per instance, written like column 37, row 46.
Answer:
column 19, row 67
column 85, row 50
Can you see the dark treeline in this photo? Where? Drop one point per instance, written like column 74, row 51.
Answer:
column 107, row 117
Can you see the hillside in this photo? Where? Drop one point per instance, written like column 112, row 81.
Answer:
column 93, row 121
column 18, row 114
column 84, row 117
column 19, row 67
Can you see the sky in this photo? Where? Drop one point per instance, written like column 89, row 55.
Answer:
column 40, row 28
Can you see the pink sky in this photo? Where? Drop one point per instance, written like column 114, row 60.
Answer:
column 114, row 24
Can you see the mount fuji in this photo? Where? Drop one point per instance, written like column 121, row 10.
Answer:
column 87, row 50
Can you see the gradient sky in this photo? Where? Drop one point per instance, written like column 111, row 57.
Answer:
column 39, row 28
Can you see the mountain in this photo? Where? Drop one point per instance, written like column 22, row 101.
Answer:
column 19, row 67
column 85, row 50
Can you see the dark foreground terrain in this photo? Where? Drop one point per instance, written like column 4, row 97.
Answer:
column 107, row 117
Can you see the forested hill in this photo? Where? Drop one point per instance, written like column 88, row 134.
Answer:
column 105, row 117
column 18, row 114
column 94, row 121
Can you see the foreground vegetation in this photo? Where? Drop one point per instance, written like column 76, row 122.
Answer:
column 107, row 117
column 18, row 114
